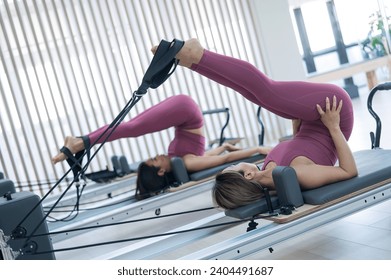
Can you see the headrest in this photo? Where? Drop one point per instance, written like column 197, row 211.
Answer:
column 6, row 186
column 179, row 170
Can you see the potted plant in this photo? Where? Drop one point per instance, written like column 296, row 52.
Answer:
column 375, row 45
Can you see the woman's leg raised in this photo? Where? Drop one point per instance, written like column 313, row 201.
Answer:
column 176, row 111
column 289, row 99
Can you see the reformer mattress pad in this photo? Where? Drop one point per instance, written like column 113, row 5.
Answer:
column 374, row 166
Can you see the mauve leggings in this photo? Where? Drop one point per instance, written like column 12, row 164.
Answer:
column 179, row 111
column 288, row 99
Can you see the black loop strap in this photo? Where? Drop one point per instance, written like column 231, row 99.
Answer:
column 158, row 71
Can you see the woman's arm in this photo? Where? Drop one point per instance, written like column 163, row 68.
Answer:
column 313, row 175
column 331, row 119
column 196, row 163
column 296, row 126
column 220, row 149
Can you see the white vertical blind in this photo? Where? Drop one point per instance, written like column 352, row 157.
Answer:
column 68, row 67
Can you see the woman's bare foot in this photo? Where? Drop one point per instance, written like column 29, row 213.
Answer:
column 74, row 144
column 190, row 53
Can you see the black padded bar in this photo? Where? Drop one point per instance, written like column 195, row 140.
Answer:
column 179, row 170
column 124, row 165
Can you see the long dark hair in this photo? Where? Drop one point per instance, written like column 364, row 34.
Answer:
column 232, row 190
column 149, row 182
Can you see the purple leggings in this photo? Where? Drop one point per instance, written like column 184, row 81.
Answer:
column 178, row 111
column 288, row 99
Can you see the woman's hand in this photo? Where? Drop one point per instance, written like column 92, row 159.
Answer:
column 264, row 150
column 229, row 147
column 330, row 117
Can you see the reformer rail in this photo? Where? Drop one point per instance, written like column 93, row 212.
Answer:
column 151, row 206
column 254, row 241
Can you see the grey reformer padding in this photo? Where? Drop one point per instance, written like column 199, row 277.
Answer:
column 182, row 176
column 121, row 165
column 373, row 166
column 6, row 186
column 179, row 170
column 124, row 165
column 287, row 186
column 116, row 165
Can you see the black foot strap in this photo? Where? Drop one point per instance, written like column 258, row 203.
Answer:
column 162, row 65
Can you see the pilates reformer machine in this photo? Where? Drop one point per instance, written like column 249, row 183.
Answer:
column 313, row 208
column 123, row 173
column 298, row 212
column 12, row 238
column 119, row 190
column 302, row 211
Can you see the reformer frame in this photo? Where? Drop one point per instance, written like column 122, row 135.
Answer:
column 271, row 234
column 265, row 237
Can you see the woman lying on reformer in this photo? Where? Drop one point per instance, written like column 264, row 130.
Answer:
column 178, row 111
column 322, row 116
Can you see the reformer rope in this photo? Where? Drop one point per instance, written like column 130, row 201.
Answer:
column 134, row 99
column 125, row 222
column 76, row 207
column 154, row 235
column 160, row 69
